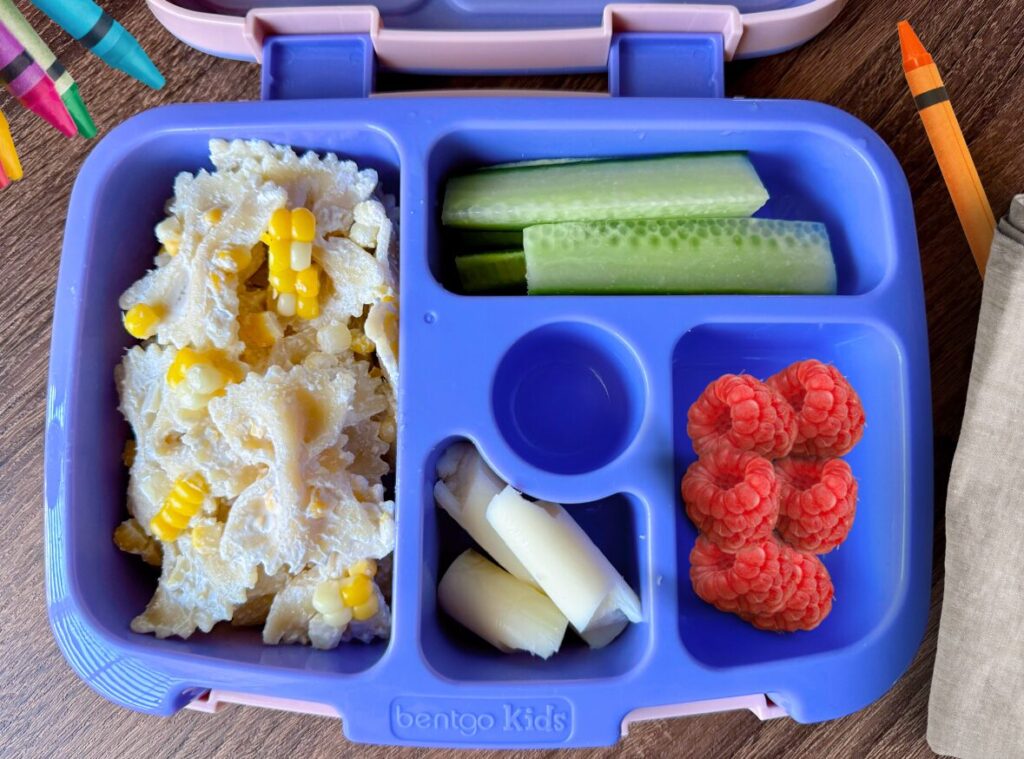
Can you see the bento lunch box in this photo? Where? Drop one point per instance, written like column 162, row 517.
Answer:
column 515, row 375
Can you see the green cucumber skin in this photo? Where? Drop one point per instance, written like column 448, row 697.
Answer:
column 492, row 271
column 675, row 186
column 695, row 256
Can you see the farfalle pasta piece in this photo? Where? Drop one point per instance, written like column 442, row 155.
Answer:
column 330, row 187
column 259, row 531
column 195, row 291
column 197, row 587
column 284, row 421
column 356, row 278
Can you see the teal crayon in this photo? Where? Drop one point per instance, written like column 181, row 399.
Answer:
column 103, row 36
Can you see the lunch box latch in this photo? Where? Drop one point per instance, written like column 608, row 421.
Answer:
column 682, row 65
column 310, row 66
column 640, row 64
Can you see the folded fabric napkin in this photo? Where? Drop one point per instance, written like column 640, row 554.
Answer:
column 976, row 708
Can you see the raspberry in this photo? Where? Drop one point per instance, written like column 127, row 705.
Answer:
column 771, row 585
column 817, row 502
column 732, row 497
column 829, row 414
column 808, row 590
column 745, row 413
column 746, row 583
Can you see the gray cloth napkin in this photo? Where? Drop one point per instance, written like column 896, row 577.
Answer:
column 976, row 710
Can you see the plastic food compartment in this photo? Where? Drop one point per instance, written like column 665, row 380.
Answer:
column 516, row 376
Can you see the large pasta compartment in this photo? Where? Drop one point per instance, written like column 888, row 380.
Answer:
column 188, row 322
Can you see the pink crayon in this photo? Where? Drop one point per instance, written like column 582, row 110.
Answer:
column 30, row 84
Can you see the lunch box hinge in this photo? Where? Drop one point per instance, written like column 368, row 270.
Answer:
column 311, row 66
column 658, row 64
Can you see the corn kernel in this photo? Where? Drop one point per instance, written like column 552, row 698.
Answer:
column 388, row 431
column 184, row 359
column 283, row 281
column 334, row 338
column 217, row 281
column 214, row 215
column 366, row 567
column 193, row 401
column 259, row 330
column 287, row 304
column 141, row 320
column 307, row 282
column 363, row 235
column 339, row 619
column 308, row 308
column 303, row 225
column 356, row 590
column 366, row 610
column 172, row 246
column 181, row 504
column 301, row 255
column 205, row 379
column 361, row 344
column 327, row 597
column 279, row 256
column 192, row 489
column 280, row 226
column 235, row 259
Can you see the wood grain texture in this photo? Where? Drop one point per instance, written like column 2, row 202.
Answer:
column 45, row 710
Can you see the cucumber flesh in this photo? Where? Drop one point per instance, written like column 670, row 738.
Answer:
column 499, row 270
column 711, row 185
column 680, row 256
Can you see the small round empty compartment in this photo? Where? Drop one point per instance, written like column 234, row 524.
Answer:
column 568, row 397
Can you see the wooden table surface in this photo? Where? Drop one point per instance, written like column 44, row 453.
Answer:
column 46, row 710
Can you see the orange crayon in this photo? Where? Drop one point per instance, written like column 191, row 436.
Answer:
column 947, row 141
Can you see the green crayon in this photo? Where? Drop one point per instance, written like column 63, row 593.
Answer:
column 67, row 88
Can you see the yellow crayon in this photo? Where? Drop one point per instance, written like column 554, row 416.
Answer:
column 8, row 155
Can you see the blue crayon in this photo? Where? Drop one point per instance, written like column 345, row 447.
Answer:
column 101, row 34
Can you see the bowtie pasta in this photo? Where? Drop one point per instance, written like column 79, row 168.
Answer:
column 262, row 400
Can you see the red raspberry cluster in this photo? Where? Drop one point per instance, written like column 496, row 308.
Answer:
column 761, row 523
